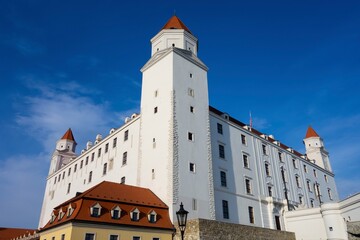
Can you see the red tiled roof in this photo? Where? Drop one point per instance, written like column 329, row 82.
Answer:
column 175, row 23
column 68, row 135
column 9, row 233
column 311, row 133
column 108, row 195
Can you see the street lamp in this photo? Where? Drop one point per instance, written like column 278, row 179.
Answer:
column 182, row 217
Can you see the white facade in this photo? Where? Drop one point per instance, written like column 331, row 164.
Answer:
column 175, row 147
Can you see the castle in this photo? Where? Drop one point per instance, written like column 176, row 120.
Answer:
column 187, row 151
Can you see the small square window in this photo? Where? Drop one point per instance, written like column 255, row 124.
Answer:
column 190, row 136
column 191, row 75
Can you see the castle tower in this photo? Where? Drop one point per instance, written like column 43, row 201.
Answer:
column 175, row 157
column 64, row 151
column 315, row 149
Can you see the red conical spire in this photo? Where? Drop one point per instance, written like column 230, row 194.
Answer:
column 311, row 133
column 175, row 23
column 68, row 135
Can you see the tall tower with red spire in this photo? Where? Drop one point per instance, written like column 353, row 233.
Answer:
column 64, row 151
column 315, row 150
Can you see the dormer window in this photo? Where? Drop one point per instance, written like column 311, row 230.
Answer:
column 135, row 215
column 61, row 214
column 53, row 216
column 116, row 212
column 152, row 216
column 95, row 210
column 70, row 210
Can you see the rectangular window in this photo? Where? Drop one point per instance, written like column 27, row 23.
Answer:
column 69, row 171
column 155, row 109
column 329, row 194
column 300, row 200
column 81, row 164
column 114, row 142
column 246, row 161
column 136, row 238
column 106, row 147
column 308, row 185
column 223, row 178
column 225, row 207
column 191, row 109
column 126, row 135
column 89, row 236
column 53, row 238
column 264, row 149
column 305, row 168
column 68, row 189
column 99, row 152
column 219, row 128
column 55, row 180
column 297, row 181
column 122, row 180
column 192, row 167
column 63, row 175
column 277, row 222
column 251, row 215
column 104, row 168
column 315, row 175
column 270, row 191
column 243, row 139
column 194, row 204
column 312, row 203
column 248, row 186
column 87, row 160
column 92, row 156
column 114, row 237
column 75, row 168
column 221, row 151
column 267, row 170
column 191, row 92
column 124, row 158
column 191, row 136
column 294, row 163
column 62, row 236
column 156, row 238
column 280, row 156
column 90, row 176
column 326, row 178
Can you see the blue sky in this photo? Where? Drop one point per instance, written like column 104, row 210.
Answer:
column 76, row 64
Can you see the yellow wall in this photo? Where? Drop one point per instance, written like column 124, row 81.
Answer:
column 77, row 231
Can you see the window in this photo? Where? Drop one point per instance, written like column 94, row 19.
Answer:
column 95, row 210
column 277, row 222
column 134, row 215
column 69, row 186
column 192, row 167
column 106, row 147
column 114, row 237
column 294, row 163
column 329, row 194
column 305, row 168
column 53, row 238
column 297, row 180
column 89, row 236
column 156, row 238
column 225, row 207
column 191, row 75
column 243, row 139
column 270, row 191
column 190, row 136
column 280, row 156
column 153, row 173
column 219, row 128
column 87, row 160
column 308, row 185
column 92, row 156
column 326, row 178
column 75, row 168
column 81, row 164
column 63, row 175
column 126, row 135
column 267, row 170
column 223, row 178
column 155, row 109
column 62, row 236
column 99, row 152
column 300, row 200
column 248, row 186
column 194, row 204
column 221, row 151
column 122, row 180
column 152, row 216
column 191, row 92
column 135, row 237
column 124, row 159
column 104, row 168
column 264, row 149
column 315, row 175
column 90, row 176
column 191, row 109
column 246, row 161
column 312, row 203
column 114, row 142
column 116, row 212
column 251, row 215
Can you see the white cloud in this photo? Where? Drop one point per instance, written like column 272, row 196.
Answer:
column 260, row 123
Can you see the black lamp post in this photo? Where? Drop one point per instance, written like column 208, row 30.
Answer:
column 182, row 217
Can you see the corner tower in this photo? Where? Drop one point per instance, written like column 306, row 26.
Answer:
column 315, row 149
column 175, row 152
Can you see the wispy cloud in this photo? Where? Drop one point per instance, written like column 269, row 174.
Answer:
column 260, row 123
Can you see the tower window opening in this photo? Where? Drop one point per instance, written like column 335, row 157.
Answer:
column 191, row 109
column 173, row 44
column 190, row 73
